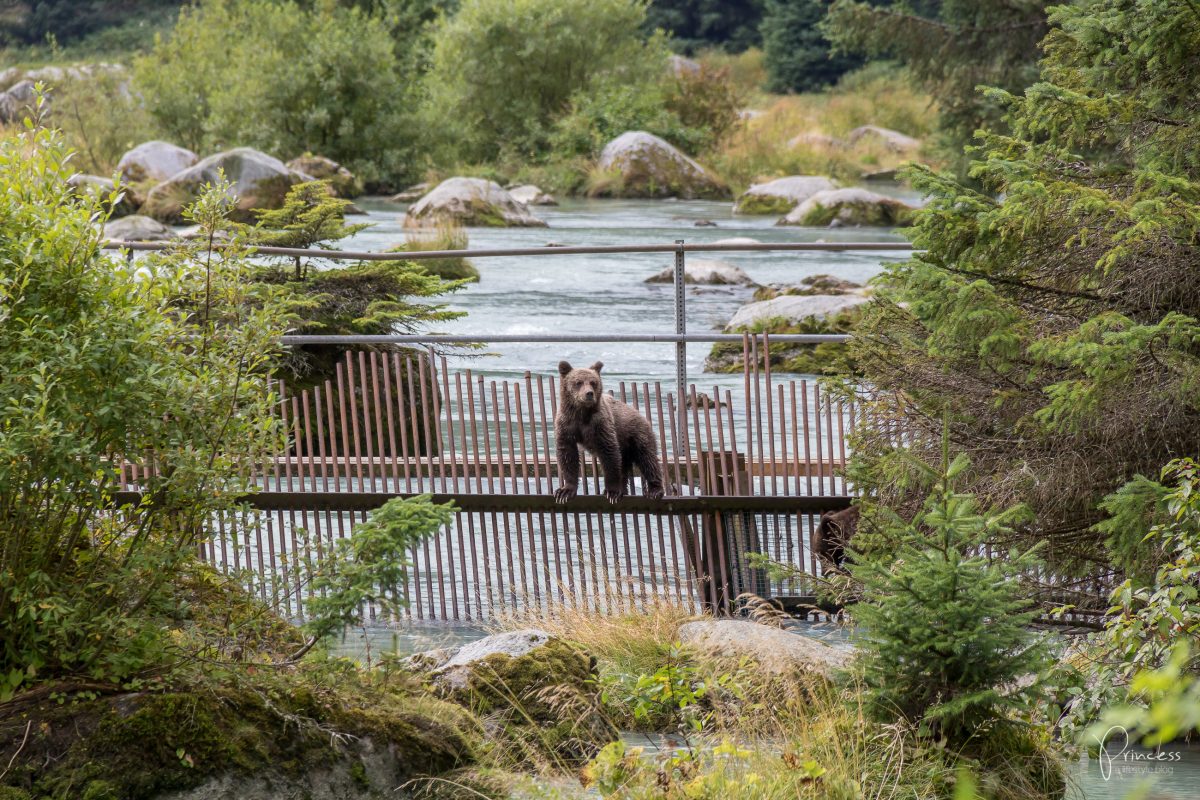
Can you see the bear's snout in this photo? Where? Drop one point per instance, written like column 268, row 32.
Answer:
column 589, row 395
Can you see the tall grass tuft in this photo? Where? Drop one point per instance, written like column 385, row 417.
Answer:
column 448, row 235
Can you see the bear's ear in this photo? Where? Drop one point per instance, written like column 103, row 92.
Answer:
column 564, row 367
column 599, row 365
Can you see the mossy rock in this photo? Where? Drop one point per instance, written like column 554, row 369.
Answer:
column 538, row 691
column 256, row 181
column 850, row 207
column 781, row 195
column 469, row 201
column 451, row 269
column 318, row 735
column 826, row 358
column 639, row 164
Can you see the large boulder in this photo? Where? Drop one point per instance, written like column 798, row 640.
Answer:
column 16, row 102
column 706, row 272
column 776, row 651
column 155, row 162
column 258, row 181
column 781, row 195
column 849, row 207
column 521, row 681
column 341, row 180
column 794, row 309
column 103, row 188
column 639, row 164
column 470, row 201
column 531, row 195
column 895, row 141
column 811, row 285
column 136, row 228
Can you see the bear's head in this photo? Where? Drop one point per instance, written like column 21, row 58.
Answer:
column 581, row 387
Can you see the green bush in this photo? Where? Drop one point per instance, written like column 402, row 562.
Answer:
column 944, row 635
column 288, row 80
column 103, row 363
column 503, row 71
column 101, row 119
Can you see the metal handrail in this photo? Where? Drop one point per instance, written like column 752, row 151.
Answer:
column 545, row 250
column 484, row 338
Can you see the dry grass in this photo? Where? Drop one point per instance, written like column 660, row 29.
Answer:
column 445, row 236
column 765, row 147
column 630, row 641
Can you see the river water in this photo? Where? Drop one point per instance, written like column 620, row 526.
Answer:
column 589, row 294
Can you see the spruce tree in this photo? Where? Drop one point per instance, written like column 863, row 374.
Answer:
column 952, row 48
column 944, row 634
column 1053, row 317
column 796, row 53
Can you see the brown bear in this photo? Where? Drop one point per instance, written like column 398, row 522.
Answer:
column 833, row 535
column 612, row 430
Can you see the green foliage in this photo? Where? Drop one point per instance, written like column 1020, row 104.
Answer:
column 503, row 72
column 371, row 564
column 696, row 24
column 102, row 363
column 311, row 217
column 332, row 80
column 368, row 297
column 797, row 54
column 1056, row 327
column 944, row 634
column 1151, row 626
column 448, row 235
column 671, row 697
column 951, row 49
column 70, row 20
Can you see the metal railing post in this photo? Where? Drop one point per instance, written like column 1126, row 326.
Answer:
column 680, row 346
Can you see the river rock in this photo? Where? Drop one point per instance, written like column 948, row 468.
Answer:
column 776, row 651
column 531, row 195
column 794, row 308
column 155, row 161
column 643, row 165
column 682, row 66
column 470, row 201
column 849, row 207
column 781, row 195
column 341, row 180
column 136, row 228
column 812, row 285
column 541, row 675
column 258, row 181
column 894, row 140
column 414, row 192
column 101, row 187
column 16, row 102
column 706, row 272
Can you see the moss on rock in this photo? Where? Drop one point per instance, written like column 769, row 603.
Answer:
column 308, row 727
column 826, row 358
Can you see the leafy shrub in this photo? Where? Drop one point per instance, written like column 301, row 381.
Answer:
column 288, row 80
column 102, row 363
column 944, row 635
column 707, row 102
column 503, row 71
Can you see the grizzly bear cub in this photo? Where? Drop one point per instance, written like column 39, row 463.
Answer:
column 614, row 431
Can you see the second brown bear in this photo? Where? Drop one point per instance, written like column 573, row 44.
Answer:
column 612, row 430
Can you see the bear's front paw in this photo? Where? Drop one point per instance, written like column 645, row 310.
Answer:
column 564, row 494
column 655, row 493
column 614, row 495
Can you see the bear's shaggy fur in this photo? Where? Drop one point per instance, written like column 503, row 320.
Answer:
column 614, row 431
column 833, row 535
